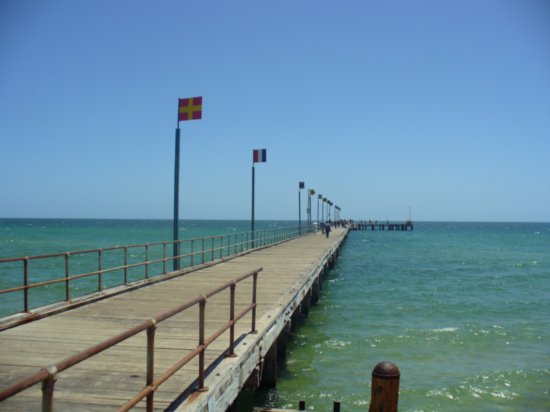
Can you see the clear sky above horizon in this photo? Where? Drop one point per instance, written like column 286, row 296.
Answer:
column 443, row 106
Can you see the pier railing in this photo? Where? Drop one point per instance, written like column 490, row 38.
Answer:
column 69, row 275
column 49, row 375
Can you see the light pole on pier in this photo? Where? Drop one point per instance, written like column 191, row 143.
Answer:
column 319, row 197
column 311, row 192
column 301, row 185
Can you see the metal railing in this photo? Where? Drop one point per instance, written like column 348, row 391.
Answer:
column 132, row 262
column 48, row 376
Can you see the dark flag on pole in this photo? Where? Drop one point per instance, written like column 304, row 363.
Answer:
column 259, row 155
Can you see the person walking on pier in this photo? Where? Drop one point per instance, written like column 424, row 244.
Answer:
column 327, row 229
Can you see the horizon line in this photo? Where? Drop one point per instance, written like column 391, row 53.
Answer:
column 271, row 220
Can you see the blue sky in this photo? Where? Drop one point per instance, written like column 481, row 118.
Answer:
column 443, row 106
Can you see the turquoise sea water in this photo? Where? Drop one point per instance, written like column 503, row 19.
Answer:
column 461, row 308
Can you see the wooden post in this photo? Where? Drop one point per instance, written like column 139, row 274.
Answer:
column 48, row 389
column 306, row 303
column 315, row 290
column 269, row 372
column 295, row 318
column 281, row 350
column 150, row 363
column 385, row 388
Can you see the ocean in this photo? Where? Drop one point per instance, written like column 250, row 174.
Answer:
column 461, row 308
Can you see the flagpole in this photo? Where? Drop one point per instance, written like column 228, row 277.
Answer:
column 299, row 212
column 252, row 220
column 188, row 109
column 176, row 199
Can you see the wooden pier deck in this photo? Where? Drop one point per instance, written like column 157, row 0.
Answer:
column 290, row 275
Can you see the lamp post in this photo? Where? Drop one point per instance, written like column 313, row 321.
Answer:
column 323, row 208
column 311, row 192
column 319, row 197
column 301, row 185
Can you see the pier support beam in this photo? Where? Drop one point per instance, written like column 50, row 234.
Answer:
column 253, row 381
column 269, row 370
column 306, row 303
column 281, row 350
column 295, row 318
column 316, row 290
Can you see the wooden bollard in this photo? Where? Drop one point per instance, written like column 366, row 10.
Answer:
column 385, row 388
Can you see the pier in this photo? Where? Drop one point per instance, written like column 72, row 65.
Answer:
column 370, row 225
column 189, row 340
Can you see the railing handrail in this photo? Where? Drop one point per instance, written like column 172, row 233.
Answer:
column 236, row 243
column 50, row 373
column 167, row 242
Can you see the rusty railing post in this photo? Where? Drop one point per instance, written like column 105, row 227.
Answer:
column 231, row 319
column 146, row 261
column 125, row 265
column 254, row 285
column 164, row 258
column 151, row 362
column 99, row 280
column 202, row 321
column 67, row 293
column 47, row 389
column 26, row 282
column 385, row 388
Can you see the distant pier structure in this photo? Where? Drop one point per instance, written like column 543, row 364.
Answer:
column 387, row 225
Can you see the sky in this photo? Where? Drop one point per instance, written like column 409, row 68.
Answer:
column 440, row 108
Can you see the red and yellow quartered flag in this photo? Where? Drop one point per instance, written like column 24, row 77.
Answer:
column 190, row 108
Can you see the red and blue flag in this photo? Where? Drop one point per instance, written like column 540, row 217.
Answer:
column 259, row 155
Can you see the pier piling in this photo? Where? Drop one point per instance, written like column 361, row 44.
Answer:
column 385, row 388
